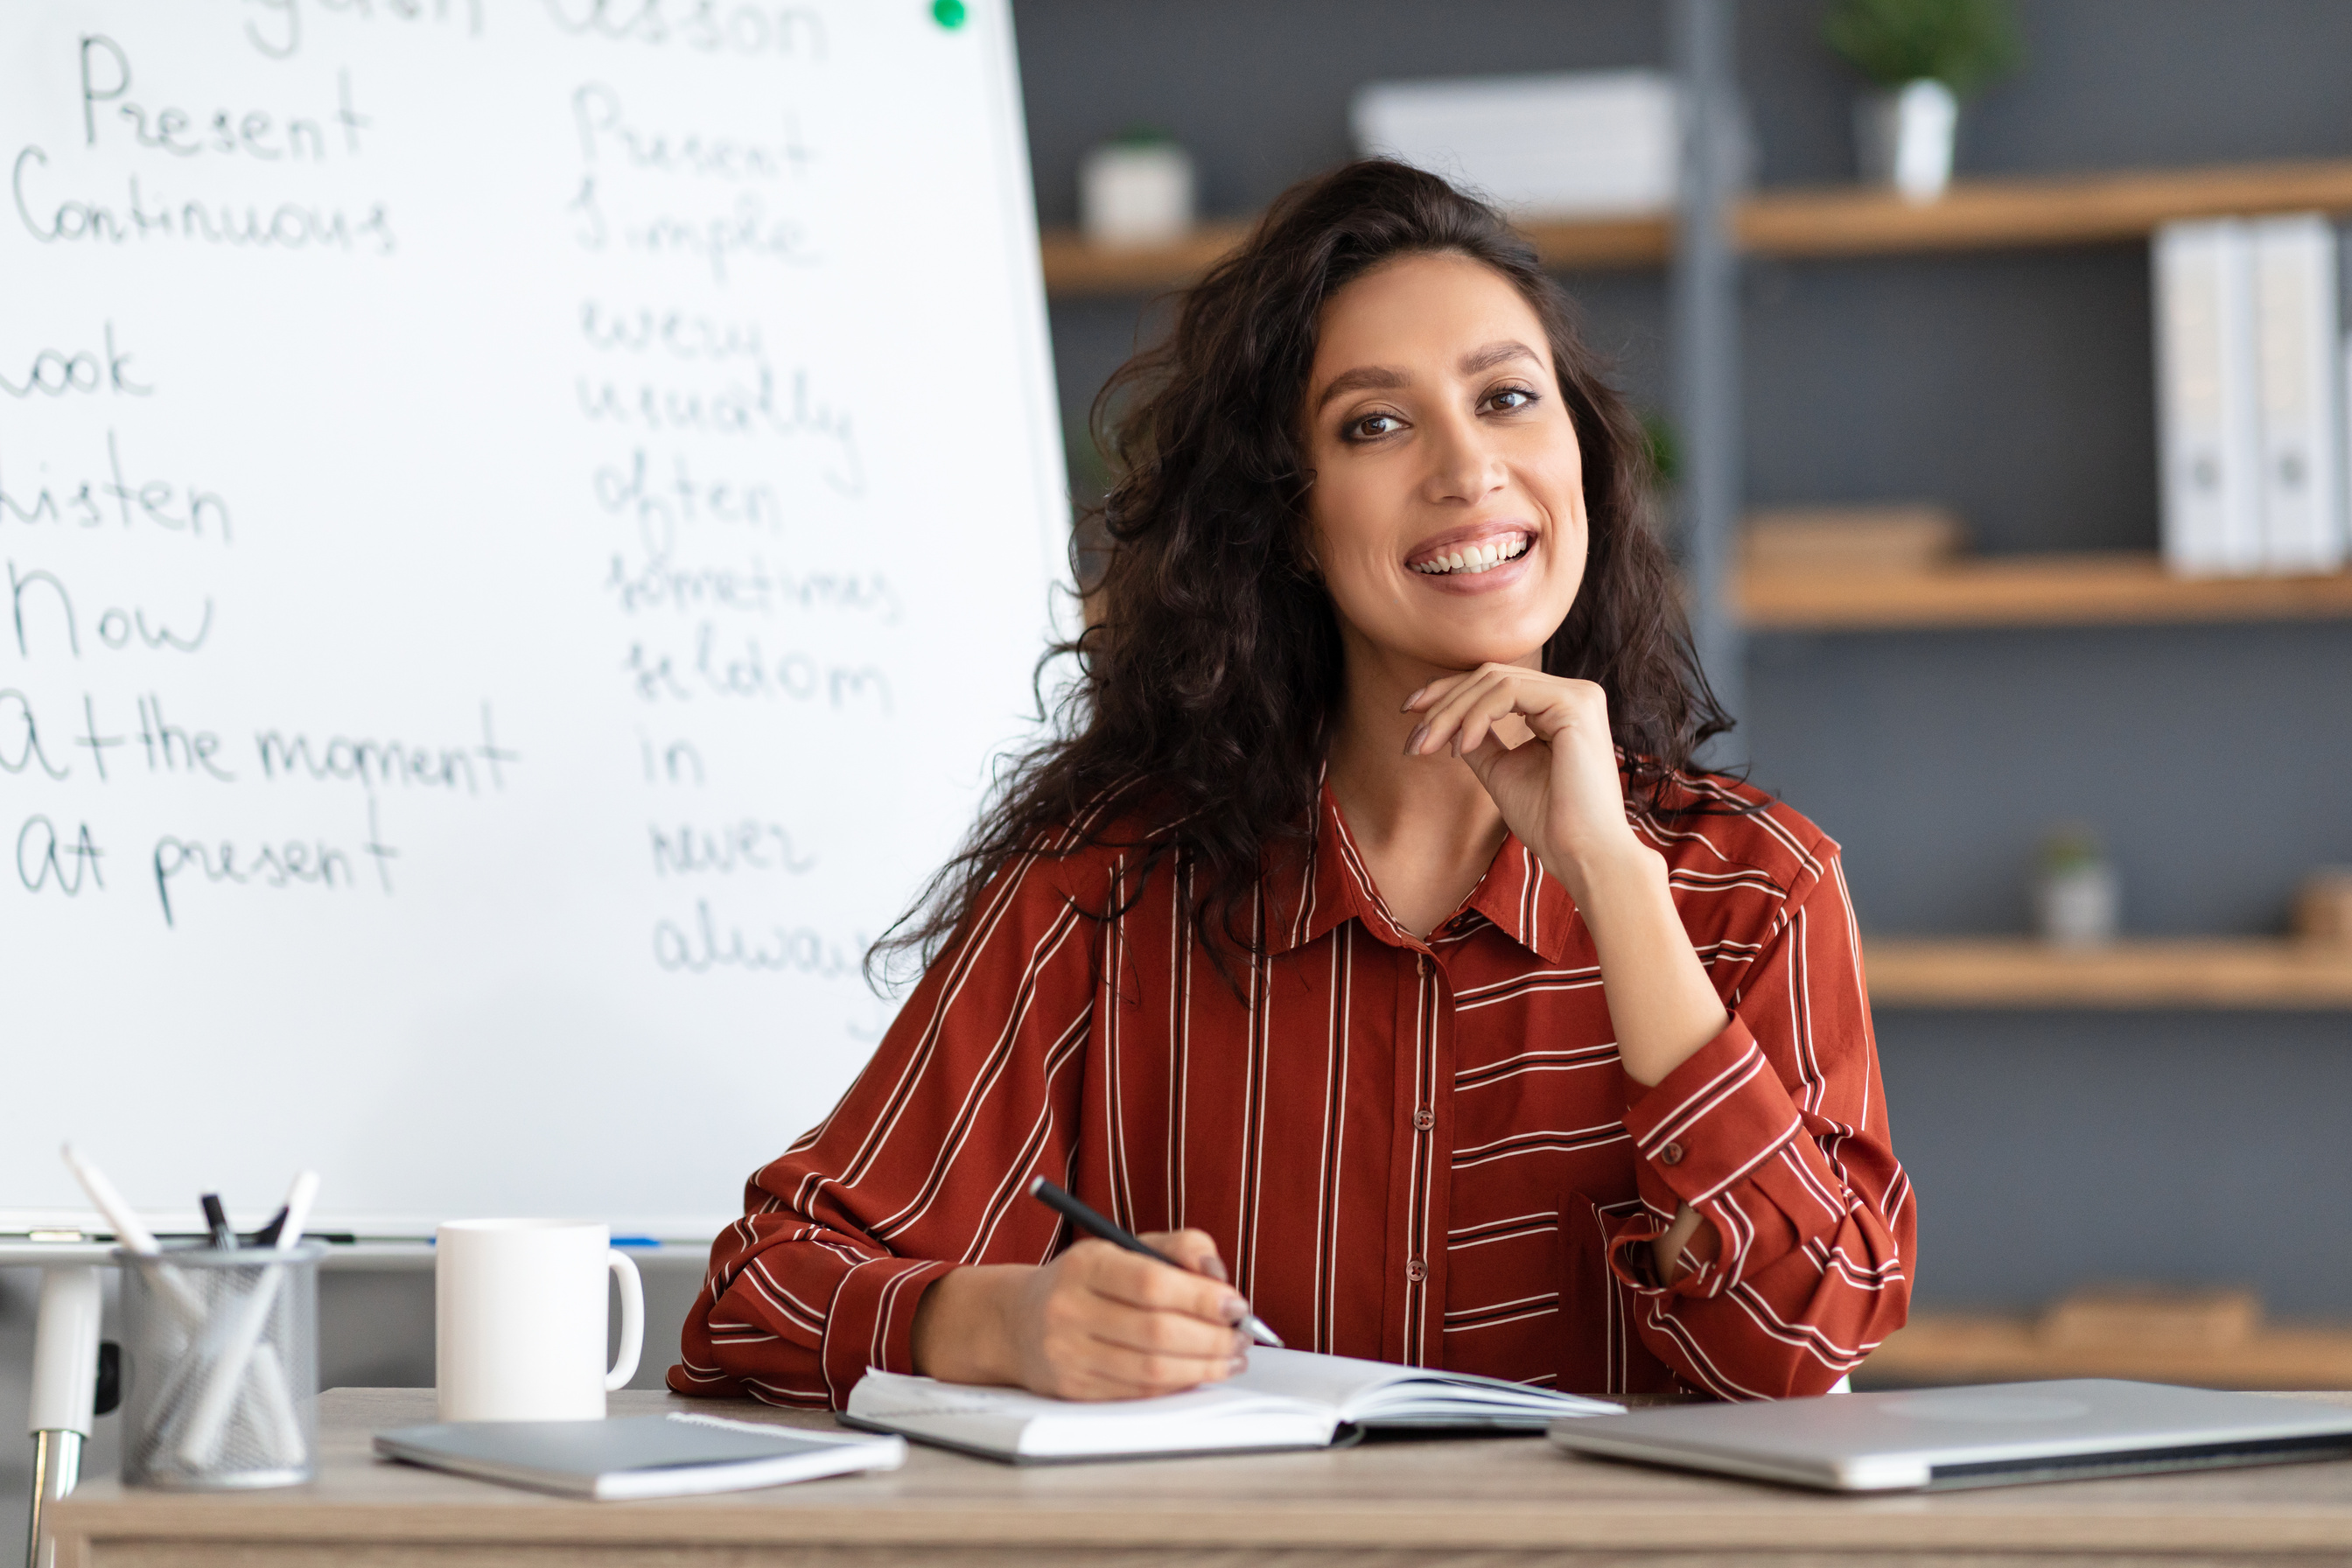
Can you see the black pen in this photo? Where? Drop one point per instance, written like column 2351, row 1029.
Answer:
column 223, row 1238
column 1086, row 1220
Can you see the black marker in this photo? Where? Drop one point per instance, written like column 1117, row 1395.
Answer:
column 1087, row 1220
column 216, row 1217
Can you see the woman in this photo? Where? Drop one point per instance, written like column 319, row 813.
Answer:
column 1367, row 934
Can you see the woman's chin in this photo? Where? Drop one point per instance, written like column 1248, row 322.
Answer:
column 1469, row 653
column 1469, row 633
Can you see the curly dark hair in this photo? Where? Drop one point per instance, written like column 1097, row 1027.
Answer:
column 1208, row 678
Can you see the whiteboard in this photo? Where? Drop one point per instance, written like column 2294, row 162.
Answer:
column 523, row 525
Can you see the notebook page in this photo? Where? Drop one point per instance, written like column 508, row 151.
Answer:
column 1332, row 1380
column 1444, row 1396
column 1373, row 1391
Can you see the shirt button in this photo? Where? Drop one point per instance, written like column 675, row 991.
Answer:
column 1424, row 1119
column 1416, row 1270
column 1421, row 963
column 1672, row 1154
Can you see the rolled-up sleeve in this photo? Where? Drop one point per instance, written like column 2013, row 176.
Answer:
column 920, row 1169
column 1776, row 1133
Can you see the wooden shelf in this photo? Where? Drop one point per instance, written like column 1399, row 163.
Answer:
column 1944, row 1348
column 2078, row 209
column 2110, row 588
column 1842, row 220
column 2206, row 971
column 1602, row 242
column 1075, row 269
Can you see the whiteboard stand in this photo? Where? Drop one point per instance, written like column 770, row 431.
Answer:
column 65, row 1368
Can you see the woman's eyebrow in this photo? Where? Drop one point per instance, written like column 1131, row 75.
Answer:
column 1496, row 353
column 1370, row 377
column 1383, row 378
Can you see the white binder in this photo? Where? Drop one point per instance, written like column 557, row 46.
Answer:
column 2207, row 441
column 2300, row 392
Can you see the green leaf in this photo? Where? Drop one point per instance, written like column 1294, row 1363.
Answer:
column 1964, row 44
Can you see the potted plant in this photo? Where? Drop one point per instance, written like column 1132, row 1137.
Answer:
column 2074, row 893
column 1924, row 55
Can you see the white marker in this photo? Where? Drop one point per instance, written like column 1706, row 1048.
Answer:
column 127, row 1230
column 299, row 1199
column 133, row 1235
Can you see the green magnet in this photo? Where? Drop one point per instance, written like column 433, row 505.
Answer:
column 949, row 12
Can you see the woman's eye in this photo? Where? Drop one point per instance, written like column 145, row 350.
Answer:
column 1511, row 399
column 1372, row 427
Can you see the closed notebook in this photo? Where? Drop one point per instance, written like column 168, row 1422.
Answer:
column 1287, row 1399
column 639, row 1455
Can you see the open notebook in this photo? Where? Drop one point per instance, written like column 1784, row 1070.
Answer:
column 1287, row 1399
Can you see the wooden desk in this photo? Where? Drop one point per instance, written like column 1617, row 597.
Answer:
column 1386, row 1505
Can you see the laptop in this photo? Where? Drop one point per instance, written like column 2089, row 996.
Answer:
column 1989, row 1434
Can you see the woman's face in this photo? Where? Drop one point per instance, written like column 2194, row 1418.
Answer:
column 1446, row 511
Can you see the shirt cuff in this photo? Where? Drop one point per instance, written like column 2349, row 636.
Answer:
column 872, row 1320
column 1708, row 1127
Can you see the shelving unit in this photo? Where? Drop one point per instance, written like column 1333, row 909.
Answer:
column 2117, row 588
column 1835, row 221
column 2198, row 973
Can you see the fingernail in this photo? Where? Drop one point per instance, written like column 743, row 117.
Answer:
column 1233, row 1308
column 1215, row 1267
column 1412, row 742
column 1413, row 699
column 1237, row 1366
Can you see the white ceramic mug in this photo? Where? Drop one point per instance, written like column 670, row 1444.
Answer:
column 519, row 1320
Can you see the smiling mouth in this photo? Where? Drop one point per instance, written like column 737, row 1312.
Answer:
column 1477, row 558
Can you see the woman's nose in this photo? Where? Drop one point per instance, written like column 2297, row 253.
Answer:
column 1462, row 465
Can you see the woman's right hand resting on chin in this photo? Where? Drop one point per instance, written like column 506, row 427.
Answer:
column 1097, row 1323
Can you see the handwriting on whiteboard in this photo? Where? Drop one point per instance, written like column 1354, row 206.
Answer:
column 712, row 496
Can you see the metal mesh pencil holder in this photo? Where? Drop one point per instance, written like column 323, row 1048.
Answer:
column 220, row 1367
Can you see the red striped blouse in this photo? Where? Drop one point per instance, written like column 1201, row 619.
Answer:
column 1423, row 1152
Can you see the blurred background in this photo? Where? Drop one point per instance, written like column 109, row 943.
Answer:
column 2088, row 802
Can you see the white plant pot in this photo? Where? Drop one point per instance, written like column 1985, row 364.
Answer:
column 1904, row 138
column 2077, row 907
column 1136, row 195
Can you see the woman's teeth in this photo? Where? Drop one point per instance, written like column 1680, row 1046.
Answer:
column 1477, row 558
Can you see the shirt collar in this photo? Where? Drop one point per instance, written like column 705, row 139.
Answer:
column 1309, row 893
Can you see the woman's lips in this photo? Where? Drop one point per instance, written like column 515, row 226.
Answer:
column 1472, row 551
column 1491, row 580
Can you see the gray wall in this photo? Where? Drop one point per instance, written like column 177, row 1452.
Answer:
column 2048, row 1148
